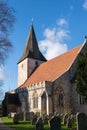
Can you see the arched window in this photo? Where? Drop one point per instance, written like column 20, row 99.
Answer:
column 60, row 96
column 35, row 100
column 44, row 101
column 60, row 99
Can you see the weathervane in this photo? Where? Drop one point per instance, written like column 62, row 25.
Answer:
column 32, row 21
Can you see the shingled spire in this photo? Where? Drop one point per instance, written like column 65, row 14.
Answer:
column 31, row 49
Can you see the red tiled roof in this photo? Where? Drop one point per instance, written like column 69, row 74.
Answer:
column 54, row 68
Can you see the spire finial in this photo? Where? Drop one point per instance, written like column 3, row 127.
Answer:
column 32, row 21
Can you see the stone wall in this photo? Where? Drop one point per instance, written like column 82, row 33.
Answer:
column 39, row 89
column 22, row 72
column 75, row 97
column 64, row 84
column 32, row 65
column 25, row 69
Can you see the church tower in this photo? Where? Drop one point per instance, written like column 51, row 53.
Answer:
column 31, row 58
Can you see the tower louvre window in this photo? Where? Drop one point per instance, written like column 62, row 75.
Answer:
column 22, row 65
column 36, row 63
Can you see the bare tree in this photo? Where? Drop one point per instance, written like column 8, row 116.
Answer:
column 6, row 23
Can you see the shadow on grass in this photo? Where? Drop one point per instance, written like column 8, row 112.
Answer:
column 21, row 126
column 26, row 125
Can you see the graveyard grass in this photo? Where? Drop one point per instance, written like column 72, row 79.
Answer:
column 25, row 125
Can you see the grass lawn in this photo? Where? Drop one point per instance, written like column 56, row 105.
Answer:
column 25, row 125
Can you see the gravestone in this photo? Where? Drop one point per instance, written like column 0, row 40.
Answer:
column 55, row 123
column 50, row 115
column 61, row 117
column 16, row 119
column 69, row 122
column 27, row 116
column 24, row 115
column 46, row 119
column 37, row 114
column 56, row 113
column 74, row 118
column 34, row 120
column 65, row 119
column 12, row 114
column 39, row 124
column 21, row 116
column 81, row 121
column 31, row 115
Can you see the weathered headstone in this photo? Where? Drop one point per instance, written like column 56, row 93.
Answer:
column 46, row 119
column 37, row 114
column 74, row 118
column 31, row 115
column 21, row 116
column 34, row 120
column 12, row 114
column 65, row 119
column 39, row 124
column 27, row 116
column 61, row 117
column 81, row 121
column 69, row 122
column 56, row 113
column 50, row 115
column 16, row 119
column 24, row 115
column 55, row 123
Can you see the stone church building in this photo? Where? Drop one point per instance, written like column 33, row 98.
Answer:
column 48, row 86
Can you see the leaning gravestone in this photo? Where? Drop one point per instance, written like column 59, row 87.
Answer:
column 55, row 123
column 39, row 124
column 65, row 119
column 81, row 121
column 69, row 122
column 50, row 115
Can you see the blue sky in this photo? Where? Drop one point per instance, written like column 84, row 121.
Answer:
column 60, row 25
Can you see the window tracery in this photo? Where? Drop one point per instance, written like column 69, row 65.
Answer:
column 60, row 96
column 35, row 100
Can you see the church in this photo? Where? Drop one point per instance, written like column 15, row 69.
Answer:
column 48, row 86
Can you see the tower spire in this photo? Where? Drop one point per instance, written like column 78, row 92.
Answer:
column 31, row 48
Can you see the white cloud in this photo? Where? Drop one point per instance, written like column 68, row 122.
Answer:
column 54, row 42
column 62, row 22
column 85, row 5
column 2, row 77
